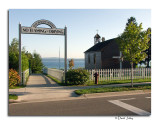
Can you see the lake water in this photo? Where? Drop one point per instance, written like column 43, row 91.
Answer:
column 54, row 63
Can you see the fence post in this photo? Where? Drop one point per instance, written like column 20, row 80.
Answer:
column 127, row 73
column 150, row 72
column 124, row 74
column 106, row 74
column 91, row 78
column 119, row 74
column 134, row 72
column 113, row 74
column 143, row 73
column 100, row 74
column 147, row 73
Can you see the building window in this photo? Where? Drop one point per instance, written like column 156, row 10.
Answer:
column 88, row 59
column 94, row 58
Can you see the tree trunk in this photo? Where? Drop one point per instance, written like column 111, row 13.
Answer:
column 132, row 74
column 147, row 63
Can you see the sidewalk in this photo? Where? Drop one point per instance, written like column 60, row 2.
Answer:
column 42, row 88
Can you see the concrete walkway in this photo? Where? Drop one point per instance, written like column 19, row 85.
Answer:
column 41, row 88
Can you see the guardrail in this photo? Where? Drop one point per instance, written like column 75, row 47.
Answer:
column 58, row 74
column 25, row 75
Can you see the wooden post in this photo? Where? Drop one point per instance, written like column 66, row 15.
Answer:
column 114, row 74
column 20, row 64
column 99, row 74
column 65, row 53
column 92, row 75
column 106, row 73
column 109, row 75
column 143, row 73
column 127, row 73
column 132, row 74
column 146, row 72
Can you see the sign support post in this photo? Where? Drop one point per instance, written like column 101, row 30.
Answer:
column 65, row 50
column 20, row 64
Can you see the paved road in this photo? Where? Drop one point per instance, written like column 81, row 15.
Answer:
column 106, row 106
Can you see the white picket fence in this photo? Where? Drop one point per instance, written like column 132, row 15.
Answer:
column 120, row 74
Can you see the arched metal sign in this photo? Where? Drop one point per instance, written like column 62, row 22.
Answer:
column 34, row 29
column 39, row 22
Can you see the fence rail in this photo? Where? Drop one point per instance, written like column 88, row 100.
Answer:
column 25, row 75
column 120, row 74
column 58, row 74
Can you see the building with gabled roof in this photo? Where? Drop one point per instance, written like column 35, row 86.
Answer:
column 102, row 55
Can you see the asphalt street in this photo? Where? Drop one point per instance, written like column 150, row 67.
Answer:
column 134, row 105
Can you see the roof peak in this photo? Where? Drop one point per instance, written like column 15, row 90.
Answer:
column 97, row 36
column 99, row 46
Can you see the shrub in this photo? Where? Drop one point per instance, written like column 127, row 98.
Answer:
column 14, row 78
column 77, row 76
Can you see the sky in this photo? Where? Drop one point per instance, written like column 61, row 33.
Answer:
column 82, row 26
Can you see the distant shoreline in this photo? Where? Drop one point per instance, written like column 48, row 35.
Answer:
column 58, row 58
column 53, row 62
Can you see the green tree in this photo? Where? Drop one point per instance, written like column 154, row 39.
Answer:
column 25, row 60
column 133, row 42
column 13, row 54
column 71, row 63
column 148, row 51
column 36, row 63
column 133, row 20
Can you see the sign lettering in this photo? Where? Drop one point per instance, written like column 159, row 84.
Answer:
column 49, row 31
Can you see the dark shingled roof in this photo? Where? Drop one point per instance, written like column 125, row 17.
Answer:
column 99, row 46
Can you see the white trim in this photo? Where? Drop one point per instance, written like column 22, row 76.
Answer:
column 130, row 108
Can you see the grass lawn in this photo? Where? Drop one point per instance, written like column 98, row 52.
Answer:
column 112, row 89
column 12, row 96
column 16, row 87
column 91, row 83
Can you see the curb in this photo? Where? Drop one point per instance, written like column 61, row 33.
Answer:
column 84, row 96
column 14, row 101
column 121, row 93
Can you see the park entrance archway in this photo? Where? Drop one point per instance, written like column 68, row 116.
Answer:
column 44, row 31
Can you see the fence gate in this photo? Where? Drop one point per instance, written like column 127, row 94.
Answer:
column 45, row 31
